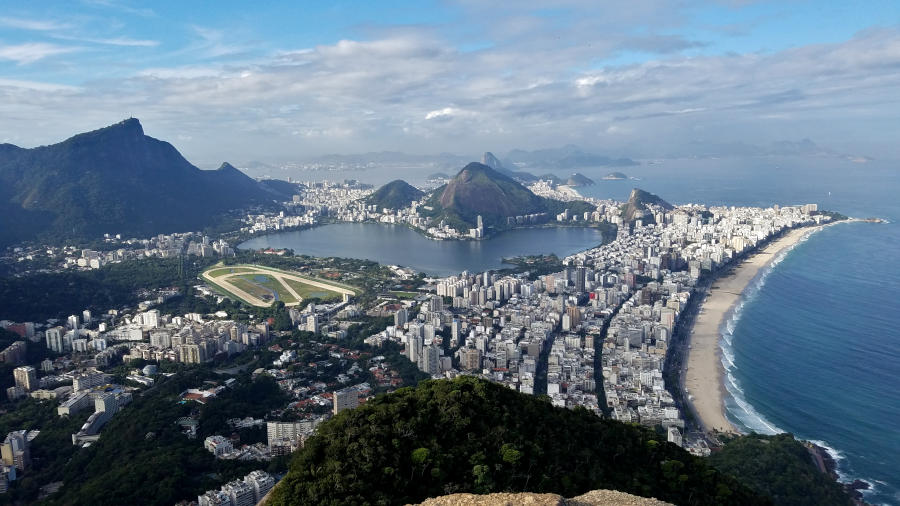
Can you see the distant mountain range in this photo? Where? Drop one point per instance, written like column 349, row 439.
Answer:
column 518, row 164
column 116, row 180
column 565, row 158
column 553, row 159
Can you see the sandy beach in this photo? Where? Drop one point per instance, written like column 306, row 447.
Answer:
column 703, row 378
column 569, row 190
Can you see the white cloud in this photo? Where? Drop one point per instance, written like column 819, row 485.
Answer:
column 122, row 7
column 23, row 85
column 442, row 113
column 111, row 41
column 31, row 52
column 40, row 25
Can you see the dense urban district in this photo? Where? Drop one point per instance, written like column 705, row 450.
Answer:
column 179, row 369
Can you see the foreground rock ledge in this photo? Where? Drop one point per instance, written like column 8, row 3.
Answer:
column 593, row 498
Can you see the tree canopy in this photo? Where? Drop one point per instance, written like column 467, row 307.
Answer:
column 470, row 435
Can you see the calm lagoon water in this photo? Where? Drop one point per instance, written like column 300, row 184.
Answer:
column 399, row 245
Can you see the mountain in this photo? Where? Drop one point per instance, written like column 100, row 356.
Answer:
column 553, row 178
column 471, row 435
column 117, row 180
column 480, row 190
column 280, row 189
column 493, row 162
column 577, row 179
column 397, row 194
column 566, row 158
column 637, row 205
column 614, row 176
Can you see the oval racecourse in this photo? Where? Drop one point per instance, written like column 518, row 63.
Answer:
column 262, row 286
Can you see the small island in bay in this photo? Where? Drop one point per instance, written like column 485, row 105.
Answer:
column 615, row 176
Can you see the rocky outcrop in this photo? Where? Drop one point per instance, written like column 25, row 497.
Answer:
column 592, row 498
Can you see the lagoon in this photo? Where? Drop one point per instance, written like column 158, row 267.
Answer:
column 399, row 245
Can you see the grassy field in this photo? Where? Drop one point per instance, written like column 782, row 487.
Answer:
column 406, row 295
column 215, row 273
column 308, row 291
column 251, row 288
column 272, row 284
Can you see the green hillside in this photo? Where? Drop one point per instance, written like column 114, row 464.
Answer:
column 470, row 435
column 397, row 194
column 478, row 190
column 780, row 467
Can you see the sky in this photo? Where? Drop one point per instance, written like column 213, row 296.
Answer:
column 288, row 81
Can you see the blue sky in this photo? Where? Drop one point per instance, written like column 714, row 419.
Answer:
column 290, row 80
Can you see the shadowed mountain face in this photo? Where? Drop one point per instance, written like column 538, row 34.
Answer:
column 116, row 180
column 397, row 194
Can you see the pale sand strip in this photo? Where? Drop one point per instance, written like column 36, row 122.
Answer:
column 570, row 190
column 704, row 375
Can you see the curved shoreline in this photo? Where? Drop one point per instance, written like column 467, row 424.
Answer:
column 704, row 374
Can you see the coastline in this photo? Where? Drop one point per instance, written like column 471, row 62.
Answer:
column 704, row 373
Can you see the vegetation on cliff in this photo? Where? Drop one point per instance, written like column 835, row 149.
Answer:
column 470, row 435
column 397, row 194
column 779, row 467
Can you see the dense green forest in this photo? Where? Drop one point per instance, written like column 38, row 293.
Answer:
column 469, row 435
column 780, row 467
column 41, row 296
